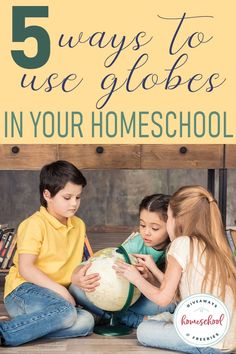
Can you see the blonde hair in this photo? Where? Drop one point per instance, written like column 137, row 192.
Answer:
column 197, row 215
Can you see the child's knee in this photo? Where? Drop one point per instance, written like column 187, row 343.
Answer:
column 139, row 333
column 69, row 315
column 143, row 332
column 87, row 322
column 84, row 324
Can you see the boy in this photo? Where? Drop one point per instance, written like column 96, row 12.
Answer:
column 49, row 246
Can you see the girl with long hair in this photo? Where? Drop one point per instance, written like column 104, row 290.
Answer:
column 199, row 260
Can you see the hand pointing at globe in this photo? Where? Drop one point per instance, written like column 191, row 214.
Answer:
column 128, row 271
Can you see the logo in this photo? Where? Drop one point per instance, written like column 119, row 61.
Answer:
column 201, row 320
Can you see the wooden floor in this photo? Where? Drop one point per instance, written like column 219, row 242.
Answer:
column 86, row 345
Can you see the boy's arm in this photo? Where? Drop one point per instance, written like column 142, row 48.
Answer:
column 32, row 274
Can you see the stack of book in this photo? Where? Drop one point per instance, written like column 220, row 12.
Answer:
column 7, row 246
column 231, row 237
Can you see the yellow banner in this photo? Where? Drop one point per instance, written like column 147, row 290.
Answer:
column 125, row 72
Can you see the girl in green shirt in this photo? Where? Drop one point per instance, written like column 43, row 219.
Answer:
column 151, row 240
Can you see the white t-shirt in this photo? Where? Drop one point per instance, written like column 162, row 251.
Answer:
column 191, row 282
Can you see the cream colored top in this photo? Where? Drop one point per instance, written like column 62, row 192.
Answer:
column 191, row 281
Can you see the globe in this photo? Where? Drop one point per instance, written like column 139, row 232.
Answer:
column 113, row 291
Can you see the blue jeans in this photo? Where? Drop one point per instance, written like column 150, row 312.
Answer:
column 39, row 312
column 131, row 317
column 142, row 307
column 160, row 334
column 82, row 300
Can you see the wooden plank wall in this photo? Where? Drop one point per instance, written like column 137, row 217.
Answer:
column 33, row 157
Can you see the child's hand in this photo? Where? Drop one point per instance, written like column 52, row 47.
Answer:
column 146, row 260
column 127, row 271
column 143, row 269
column 87, row 283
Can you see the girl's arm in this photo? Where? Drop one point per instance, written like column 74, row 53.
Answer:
column 32, row 274
column 147, row 274
column 148, row 261
column 161, row 296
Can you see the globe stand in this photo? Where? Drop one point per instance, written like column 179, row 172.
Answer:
column 114, row 328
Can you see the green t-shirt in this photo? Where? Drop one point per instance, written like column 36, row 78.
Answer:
column 135, row 244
